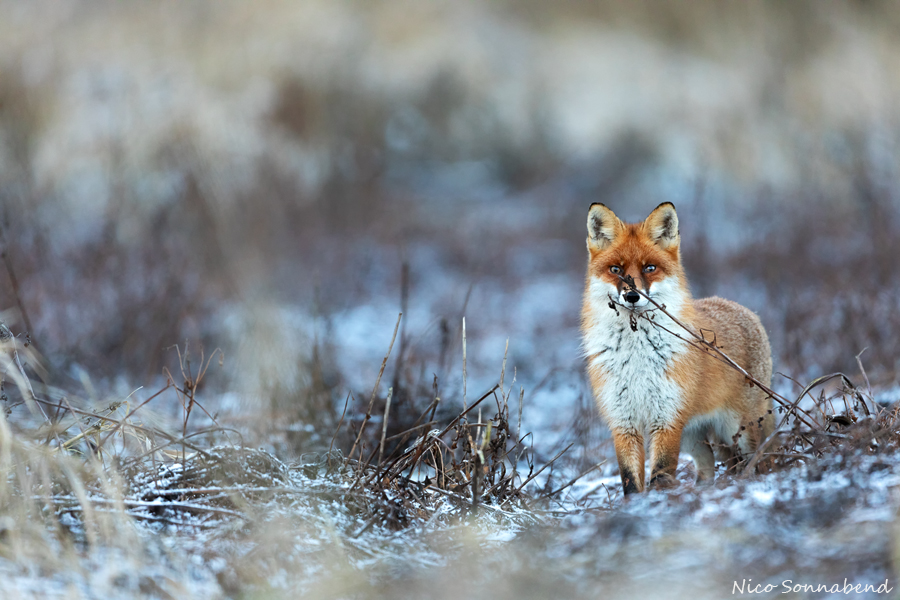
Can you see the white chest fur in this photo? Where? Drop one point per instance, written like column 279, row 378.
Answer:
column 637, row 394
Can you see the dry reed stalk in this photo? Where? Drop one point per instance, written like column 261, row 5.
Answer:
column 384, row 424
column 375, row 389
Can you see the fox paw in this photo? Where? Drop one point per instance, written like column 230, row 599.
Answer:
column 663, row 481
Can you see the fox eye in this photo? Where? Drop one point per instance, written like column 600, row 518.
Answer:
column 649, row 268
column 615, row 270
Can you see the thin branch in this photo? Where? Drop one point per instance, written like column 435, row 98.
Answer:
column 346, row 403
column 710, row 347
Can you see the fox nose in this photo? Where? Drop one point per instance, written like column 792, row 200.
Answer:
column 632, row 296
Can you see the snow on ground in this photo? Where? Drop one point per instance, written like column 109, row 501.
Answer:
column 812, row 525
column 132, row 132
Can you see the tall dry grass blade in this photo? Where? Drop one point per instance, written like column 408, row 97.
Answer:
column 384, row 424
column 863, row 371
column 464, row 360
column 503, row 367
column 20, row 378
column 368, row 416
column 340, row 422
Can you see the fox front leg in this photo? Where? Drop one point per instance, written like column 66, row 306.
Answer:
column 630, row 454
column 665, row 444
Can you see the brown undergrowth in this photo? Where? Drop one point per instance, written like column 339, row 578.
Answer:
column 77, row 479
column 61, row 461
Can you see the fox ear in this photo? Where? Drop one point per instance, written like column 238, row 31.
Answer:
column 603, row 225
column 662, row 226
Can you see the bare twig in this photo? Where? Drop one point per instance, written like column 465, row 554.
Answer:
column 573, row 481
column 340, row 422
column 541, row 470
column 173, row 441
column 712, row 349
column 129, row 415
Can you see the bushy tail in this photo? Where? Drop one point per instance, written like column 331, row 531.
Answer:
column 761, row 368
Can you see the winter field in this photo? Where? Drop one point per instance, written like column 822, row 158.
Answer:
column 212, row 215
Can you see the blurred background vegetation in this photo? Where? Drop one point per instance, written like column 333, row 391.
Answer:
column 255, row 176
column 279, row 179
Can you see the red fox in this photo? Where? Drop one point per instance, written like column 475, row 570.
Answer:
column 647, row 381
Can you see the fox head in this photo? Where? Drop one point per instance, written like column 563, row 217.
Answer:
column 648, row 252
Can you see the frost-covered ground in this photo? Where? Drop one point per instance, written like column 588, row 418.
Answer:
column 813, row 525
column 256, row 179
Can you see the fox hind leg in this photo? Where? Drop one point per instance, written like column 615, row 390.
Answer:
column 697, row 446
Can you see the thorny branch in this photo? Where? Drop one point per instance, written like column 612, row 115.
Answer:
column 710, row 347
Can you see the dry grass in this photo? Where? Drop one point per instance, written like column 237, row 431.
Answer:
column 81, row 483
column 89, row 483
column 230, row 175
